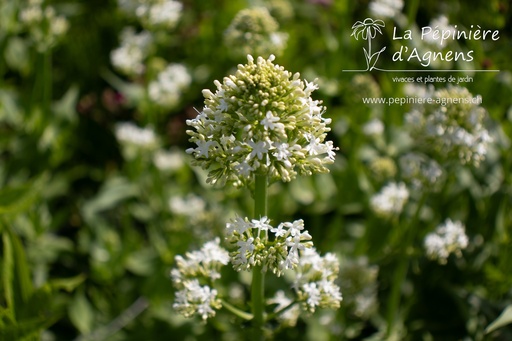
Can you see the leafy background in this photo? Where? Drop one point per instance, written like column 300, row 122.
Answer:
column 88, row 235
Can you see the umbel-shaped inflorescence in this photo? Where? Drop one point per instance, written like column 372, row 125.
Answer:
column 284, row 247
column 451, row 125
column 261, row 121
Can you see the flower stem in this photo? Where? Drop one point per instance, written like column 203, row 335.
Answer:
column 258, row 277
column 400, row 274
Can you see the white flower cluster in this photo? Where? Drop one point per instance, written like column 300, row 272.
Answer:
column 315, row 280
column 165, row 160
column 449, row 237
column 256, row 248
column 153, row 14
column 190, row 205
column 205, row 264
column 375, row 127
column 440, row 23
column 167, row 89
column 386, row 8
column 254, row 31
column 390, row 200
column 156, row 14
column 261, row 120
column 129, row 57
column 45, row 27
column 451, row 125
column 422, row 171
column 129, row 133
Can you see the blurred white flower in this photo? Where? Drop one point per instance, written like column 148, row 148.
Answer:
column 449, row 237
column 128, row 132
column 386, row 8
column 129, row 57
column 156, row 14
column 420, row 170
column 315, row 280
column 440, row 23
column 44, row 26
column 167, row 89
column 168, row 160
column 190, row 205
column 451, row 126
column 390, row 200
column 375, row 127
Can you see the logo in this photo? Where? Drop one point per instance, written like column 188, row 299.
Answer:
column 367, row 30
column 433, row 42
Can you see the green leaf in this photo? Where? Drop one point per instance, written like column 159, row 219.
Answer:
column 26, row 330
column 81, row 313
column 22, row 280
column 8, row 270
column 16, row 199
column 502, row 320
column 114, row 191
column 65, row 107
column 67, row 284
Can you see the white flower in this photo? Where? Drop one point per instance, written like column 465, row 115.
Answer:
column 420, row 170
column 314, row 282
column 449, row 237
column 160, row 13
column 169, row 86
column 255, row 248
column 129, row 57
column 190, row 205
column 375, row 127
column 390, row 200
column 386, row 8
column 440, row 23
column 271, row 122
column 129, row 133
column 451, row 126
column 196, row 299
column 279, row 129
column 168, row 160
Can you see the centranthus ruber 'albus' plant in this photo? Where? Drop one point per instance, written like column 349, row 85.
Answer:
column 260, row 125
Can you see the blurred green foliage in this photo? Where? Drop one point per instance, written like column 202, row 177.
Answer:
column 89, row 229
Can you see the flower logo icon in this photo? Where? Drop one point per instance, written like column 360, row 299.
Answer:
column 368, row 29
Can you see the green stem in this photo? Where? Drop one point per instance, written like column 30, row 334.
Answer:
column 47, row 82
column 258, row 277
column 401, row 270
column 240, row 313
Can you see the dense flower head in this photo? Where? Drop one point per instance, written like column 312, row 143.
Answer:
column 315, row 280
column 259, row 243
column 451, row 126
column 254, row 31
column 390, row 200
column 261, row 121
column 194, row 277
column 449, row 237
